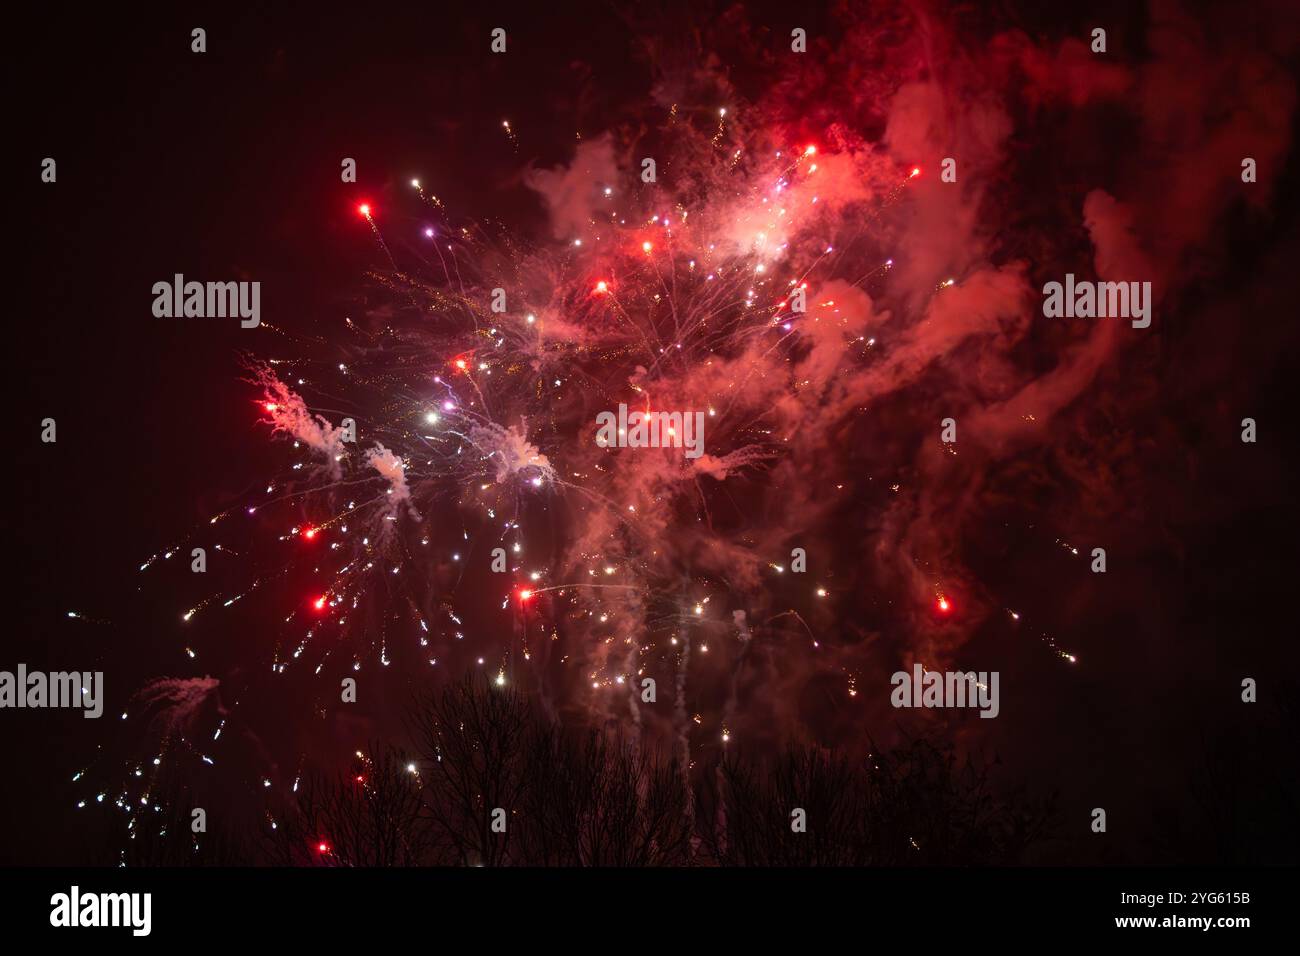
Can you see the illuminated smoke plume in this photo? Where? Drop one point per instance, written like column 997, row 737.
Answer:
column 288, row 413
column 179, row 706
column 390, row 467
column 510, row 453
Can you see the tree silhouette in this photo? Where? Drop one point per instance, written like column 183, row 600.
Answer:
column 497, row 782
column 914, row 805
column 599, row 800
column 474, row 742
column 371, row 817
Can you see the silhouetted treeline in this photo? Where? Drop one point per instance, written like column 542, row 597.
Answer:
column 494, row 783
column 490, row 781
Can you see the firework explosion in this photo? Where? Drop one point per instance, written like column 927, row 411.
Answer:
column 475, row 441
column 792, row 269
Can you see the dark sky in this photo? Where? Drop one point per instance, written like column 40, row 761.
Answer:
column 226, row 164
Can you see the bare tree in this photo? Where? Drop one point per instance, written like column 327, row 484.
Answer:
column 597, row 800
column 560, row 799
column 473, row 740
column 371, row 817
column 913, row 805
column 160, row 832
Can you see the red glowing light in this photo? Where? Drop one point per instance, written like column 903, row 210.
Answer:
column 602, row 286
column 525, row 594
column 309, row 533
column 916, row 171
column 943, row 605
column 270, row 406
column 323, row 847
column 319, row 603
column 364, row 209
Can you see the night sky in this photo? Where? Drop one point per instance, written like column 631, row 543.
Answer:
column 1119, row 690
